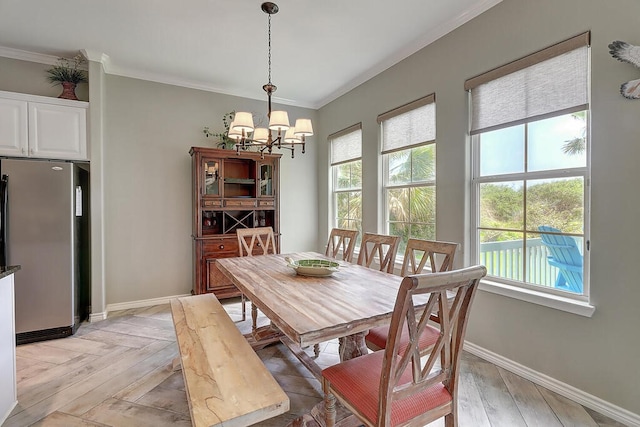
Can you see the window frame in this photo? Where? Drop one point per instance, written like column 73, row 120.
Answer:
column 385, row 153
column 335, row 192
column 386, row 186
column 525, row 177
column 333, row 174
column 550, row 297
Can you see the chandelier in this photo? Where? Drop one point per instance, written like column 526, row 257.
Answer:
column 279, row 133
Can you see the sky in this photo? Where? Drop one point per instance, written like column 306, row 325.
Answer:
column 503, row 150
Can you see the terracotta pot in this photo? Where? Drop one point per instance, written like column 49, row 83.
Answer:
column 68, row 91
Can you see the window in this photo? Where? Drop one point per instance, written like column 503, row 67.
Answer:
column 409, row 162
column 346, row 173
column 530, row 174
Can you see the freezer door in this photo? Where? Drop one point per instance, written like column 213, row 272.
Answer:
column 40, row 239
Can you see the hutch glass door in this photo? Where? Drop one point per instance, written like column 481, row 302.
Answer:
column 212, row 177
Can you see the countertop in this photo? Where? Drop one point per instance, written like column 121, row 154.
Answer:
column 9, row 269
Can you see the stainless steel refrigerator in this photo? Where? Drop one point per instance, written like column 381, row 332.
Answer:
column 42, row 228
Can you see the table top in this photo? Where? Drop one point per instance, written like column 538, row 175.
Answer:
column 311, row 310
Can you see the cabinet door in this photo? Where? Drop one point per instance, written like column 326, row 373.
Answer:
column 13, row 127
column 217, row 282
column 57, row 131
column 211, row 177
column 266, row 174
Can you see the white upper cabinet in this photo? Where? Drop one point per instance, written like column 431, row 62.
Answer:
column 57, row 131
column 41, row 127
column 13, row 127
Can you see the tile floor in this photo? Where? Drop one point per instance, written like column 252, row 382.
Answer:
column 119, row 373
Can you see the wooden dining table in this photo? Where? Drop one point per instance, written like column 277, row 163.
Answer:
column 309, row 310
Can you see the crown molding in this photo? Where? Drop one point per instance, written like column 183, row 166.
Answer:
column 411, row 48
column 23, row 55
column 39, row 58
column 190, row 84
column 95, row 56
column 110, row 68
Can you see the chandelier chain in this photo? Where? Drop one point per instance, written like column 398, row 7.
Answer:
column 269, row 56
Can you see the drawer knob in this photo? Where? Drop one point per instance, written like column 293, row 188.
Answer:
column 221, row 247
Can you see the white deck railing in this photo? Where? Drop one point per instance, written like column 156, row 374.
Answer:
column 506, row 259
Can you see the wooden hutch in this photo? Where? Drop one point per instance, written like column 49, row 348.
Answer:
column 230, row 191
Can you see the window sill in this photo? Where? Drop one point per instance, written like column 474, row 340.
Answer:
column 569, row 305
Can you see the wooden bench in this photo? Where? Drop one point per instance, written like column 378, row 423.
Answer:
column 226, row 382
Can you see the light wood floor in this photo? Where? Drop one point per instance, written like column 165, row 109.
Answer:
column 118, row 372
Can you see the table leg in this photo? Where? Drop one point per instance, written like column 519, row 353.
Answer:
column 254, row 317
column 352, row 346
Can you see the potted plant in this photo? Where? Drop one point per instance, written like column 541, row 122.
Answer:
column 67, row 72
column 223, row 138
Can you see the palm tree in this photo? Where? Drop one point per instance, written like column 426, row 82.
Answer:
column 349, row 203
column 415, row 205
column 578, row 144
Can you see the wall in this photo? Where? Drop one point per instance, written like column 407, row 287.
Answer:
column 31, row 78
column 149, row 128
column 141, row 133
column 597, row 354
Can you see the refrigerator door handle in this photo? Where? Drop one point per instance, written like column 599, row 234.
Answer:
column 4, row 187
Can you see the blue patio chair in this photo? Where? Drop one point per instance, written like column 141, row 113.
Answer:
column 565, row 255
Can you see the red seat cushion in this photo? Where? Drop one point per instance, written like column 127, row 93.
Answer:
column 377, row 337
column 358, row 381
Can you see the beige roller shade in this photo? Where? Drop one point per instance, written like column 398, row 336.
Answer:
column 346, row 145
column 547, row 83
column 409, row 125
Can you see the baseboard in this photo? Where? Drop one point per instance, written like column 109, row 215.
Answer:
column 612, row 411
column 97, row 317
column 4, row 417
column 142, row 303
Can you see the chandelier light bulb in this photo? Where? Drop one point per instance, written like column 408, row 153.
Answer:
column 290, row 136
column 279, row 121
column 261, row 135
column 304, row 127
column 243, row 122
column 234, row 133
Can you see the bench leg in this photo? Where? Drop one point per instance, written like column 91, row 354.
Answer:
column 176, row 364
column 244, row 307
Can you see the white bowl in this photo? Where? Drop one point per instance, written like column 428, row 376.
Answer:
column 313, row 267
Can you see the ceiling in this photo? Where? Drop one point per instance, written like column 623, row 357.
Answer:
column 320, row 49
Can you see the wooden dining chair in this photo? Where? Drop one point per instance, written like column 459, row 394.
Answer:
column 380, row 247
column 341, row 241
column 255, row 241
column 396, row 386
column 438, row 256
